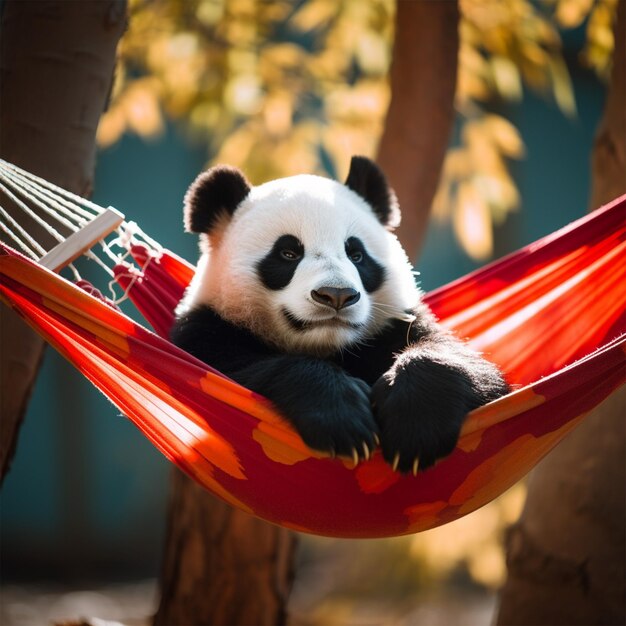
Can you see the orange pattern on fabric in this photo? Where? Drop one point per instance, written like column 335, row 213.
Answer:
column 201, row 438
column 203, row 474
column 376, row 476
column 505, row 467
column 233, row 394
column 69, row 296
column 279, row 445
column 496, row 412
column 425, row 516
column 110, row 338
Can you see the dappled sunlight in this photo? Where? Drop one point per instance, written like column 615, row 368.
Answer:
column 473, row 542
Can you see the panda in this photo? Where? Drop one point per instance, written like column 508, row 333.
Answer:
column 303, row 295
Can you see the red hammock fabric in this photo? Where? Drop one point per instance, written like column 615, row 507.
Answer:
column 551, row 315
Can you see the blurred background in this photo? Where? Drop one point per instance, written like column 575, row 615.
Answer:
column 279, row 88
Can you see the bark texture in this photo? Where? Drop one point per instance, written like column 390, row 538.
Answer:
column 421, row 113
column 56, row 68
column 567, row 554
column 222, row 566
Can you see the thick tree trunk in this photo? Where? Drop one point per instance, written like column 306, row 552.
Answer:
column 567, row 553
column 56, row 68
column 223, row 566
column 421, row 112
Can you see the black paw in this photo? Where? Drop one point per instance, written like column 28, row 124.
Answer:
column 420, row 408
column 330, row 410
column 341, row 422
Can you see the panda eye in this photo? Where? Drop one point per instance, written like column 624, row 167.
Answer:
column 290, row 255
column 356, row 256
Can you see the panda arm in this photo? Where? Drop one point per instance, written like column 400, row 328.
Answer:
column 329, row 409
column 422, row 399
column 218, row 343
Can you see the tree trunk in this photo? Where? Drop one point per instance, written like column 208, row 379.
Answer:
column 566, row 555
column 56, row 68
column 421, row 112
column 221, row 565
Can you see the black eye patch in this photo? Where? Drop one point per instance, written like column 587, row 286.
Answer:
column 371, row 272
column 277, row 268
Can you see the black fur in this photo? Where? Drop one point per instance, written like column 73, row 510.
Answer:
column 328, row 407
column 371, row 272
column 423, row 380
column 214, row 193
column 366, row 179
column 277, row 268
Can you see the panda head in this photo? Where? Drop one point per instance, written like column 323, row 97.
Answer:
column 305, row 263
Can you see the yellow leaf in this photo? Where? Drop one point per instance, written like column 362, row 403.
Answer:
column 458, row 164
column 534, row 53
column 506, row 78
column 314, row 14
column 277, row 113
column 487, row 566
column 441, row 205
column 365, row 102
column 243, row 94
column 505, row 135
column 373, row 52
column 472, row 223
column 571, row 13
column 210, row 12
column 111, row 127
column 289, row 55
column 237, row 147
column 141, row 108
column 562, row 86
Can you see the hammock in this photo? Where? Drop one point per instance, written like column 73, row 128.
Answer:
column 551, row 315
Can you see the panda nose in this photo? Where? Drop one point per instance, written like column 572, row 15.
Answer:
column 336, row 297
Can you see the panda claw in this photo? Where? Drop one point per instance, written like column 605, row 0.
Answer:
column 376, row 439
column 355, row 457
column 367, row 452
column 396, row 460
column 416, row 464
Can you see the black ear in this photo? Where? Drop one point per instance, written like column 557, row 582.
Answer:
column 367, row 179
column 215, row 193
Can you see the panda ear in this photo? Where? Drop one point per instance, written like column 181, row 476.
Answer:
column 367, row 179
column 215, row 193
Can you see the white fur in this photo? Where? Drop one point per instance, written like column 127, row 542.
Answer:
column 323, row 214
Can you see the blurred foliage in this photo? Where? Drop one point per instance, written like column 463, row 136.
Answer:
column 472, row 543
column 507, row 45
column 274, row 87
column 598, row 50
column 279, row 87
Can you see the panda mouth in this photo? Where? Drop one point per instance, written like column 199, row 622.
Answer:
column 301, row 325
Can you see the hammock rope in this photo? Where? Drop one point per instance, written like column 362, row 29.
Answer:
column 551, row 314
column 39, row 199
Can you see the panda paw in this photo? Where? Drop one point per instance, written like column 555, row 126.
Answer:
column 419, row 419
column 343, row 424
column 329, row 409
